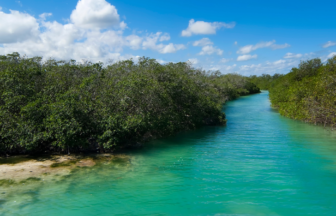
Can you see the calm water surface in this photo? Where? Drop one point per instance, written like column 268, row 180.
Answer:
column 259, row 164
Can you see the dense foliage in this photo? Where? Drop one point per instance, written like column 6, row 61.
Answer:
column 308, row 92
column 65, row 106
column 265, row 81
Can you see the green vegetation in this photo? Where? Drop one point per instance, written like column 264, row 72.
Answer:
column 308, row 92
column 265, row 81
column 64, row 106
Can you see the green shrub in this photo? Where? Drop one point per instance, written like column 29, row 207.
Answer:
column 308, row 92
column 66, row 106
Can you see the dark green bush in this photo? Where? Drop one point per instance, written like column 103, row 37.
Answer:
column 66, row 106
column 308, row 92
column 265, row 81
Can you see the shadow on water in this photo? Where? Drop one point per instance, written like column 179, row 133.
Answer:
column 183, row 139
column 24, row 158
column 15, row 159
column 2, row 202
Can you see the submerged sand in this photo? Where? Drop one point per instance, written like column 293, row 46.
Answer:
column 22, row 169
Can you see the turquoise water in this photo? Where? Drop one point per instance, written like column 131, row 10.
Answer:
column 259, row 164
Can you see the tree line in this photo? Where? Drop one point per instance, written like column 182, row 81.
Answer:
column 307, row 92
column 66, row 106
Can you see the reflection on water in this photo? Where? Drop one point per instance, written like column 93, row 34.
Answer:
column 259, row 164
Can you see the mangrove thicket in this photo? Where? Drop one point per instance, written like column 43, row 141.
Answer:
column 65, row 106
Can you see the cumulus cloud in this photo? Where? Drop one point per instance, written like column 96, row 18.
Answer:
column 134, row 41
column 279, row 46
column 203, row 42
column 94, row 14
column 222, row 68
column 292, row 55
column 45, row 15
column 170, row 48
column 165, row 37
column 279, row 66
column 17, row 27
column 123, row 25
column 279, row 62
column 193, row 61
column 161, row 61
column 331, row 55
column 270, row 44
column 201, row 27
column 82, row 38
column 224, row 60
column 329, row 44
column 250, row 67
column 246, row 57
column 151, row 42
column 209, row 50
column 228, row 68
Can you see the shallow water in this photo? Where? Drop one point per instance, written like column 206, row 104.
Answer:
column 259, row 164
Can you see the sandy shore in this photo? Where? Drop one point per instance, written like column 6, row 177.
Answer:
column 25, row 169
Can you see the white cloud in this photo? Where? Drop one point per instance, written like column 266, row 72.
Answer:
column 193, row 61
column 279, row 62
column 329, row 44
column 170, row 48
column 165, row 37
column 250, row 67
column 270, row 44
column 246, row 57
column 134, row 41
column 235, row 43
column 23, row 33
column 45, row 15
column 161, row 61
column 123, row 25
column 250, row 48
column 331, row 55
column 208, row 50
column 201, row 27
column 224, row 60
column 228, row 68
column 150, row 42
column 292, row 55
column 223, row 68
column 95, row 14
column 279, row 66
column 16, row 26
column 279, row 46
column 203, row 42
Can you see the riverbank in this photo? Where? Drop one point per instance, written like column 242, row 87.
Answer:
column 261, row 163
column 24, row 169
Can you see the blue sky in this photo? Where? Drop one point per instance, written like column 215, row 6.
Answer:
column 246, row 37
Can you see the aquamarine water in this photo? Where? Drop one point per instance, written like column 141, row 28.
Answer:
column 259, row 164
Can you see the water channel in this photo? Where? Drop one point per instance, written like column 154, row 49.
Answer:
column 259, row 164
